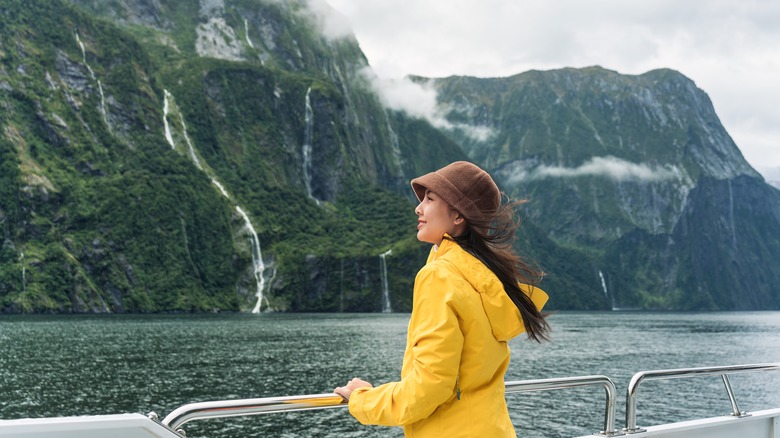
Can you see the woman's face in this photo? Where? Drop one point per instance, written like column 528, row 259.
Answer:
column 435, row 217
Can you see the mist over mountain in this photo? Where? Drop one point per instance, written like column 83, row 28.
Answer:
column 240, row 155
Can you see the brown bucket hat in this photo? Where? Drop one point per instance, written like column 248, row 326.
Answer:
column 465, row 187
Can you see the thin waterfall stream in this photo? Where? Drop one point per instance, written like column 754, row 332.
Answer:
column 306, row 150
column 257, row 260
column 258, row 265
column 386, row 307
column 166, row 109
column 94, row 78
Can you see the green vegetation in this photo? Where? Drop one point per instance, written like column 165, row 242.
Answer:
column 99, row 212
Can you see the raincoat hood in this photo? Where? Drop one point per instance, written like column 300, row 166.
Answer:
column 505, row 319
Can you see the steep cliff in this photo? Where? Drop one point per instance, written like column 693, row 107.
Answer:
column 635, row 174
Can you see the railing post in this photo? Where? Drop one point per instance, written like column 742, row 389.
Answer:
column 609, row 411
column 631, row 396
column 574, row 382
column 734, row 406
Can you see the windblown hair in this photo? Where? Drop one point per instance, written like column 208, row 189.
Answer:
column 490, row 241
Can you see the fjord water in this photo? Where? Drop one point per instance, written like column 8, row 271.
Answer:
column 79, row 365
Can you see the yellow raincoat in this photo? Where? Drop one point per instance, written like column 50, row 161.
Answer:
column 452, row 380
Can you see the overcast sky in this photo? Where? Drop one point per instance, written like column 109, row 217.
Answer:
column 729, row 48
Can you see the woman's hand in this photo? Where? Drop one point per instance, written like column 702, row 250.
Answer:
column 346, row 391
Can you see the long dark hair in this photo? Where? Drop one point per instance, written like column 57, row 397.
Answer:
column 490, row 241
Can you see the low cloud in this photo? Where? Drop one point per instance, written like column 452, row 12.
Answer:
column 479, row 133
column 415, row 99
column 418, row 99
column 331, row 23
column 608, row 167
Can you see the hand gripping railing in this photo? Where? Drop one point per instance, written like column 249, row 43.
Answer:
column 256, row 406
column 723, row 371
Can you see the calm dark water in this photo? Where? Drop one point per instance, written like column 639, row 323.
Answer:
column 77, row 365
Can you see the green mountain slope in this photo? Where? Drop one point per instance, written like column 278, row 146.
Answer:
column 232, row 155
column 129, row 161
column 636, row 176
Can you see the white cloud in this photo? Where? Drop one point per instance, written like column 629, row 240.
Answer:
column 415, row 99
column 608, row 167
column 479, row 133
column 331, row 22
column 418, row 99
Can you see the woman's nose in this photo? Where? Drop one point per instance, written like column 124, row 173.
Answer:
column 418, row 210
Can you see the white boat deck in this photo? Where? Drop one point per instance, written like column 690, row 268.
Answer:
column 91, row 426
column 760, row 424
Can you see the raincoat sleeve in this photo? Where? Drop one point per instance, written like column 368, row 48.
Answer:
column 430, row 376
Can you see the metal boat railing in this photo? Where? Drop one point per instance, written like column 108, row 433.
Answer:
column 723, row 371
column 575, row 382
column 256, row 406
column 250, row 406
column 268, row 405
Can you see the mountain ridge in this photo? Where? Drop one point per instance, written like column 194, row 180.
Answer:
column 147, row 169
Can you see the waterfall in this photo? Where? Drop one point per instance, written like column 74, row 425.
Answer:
column 257, row 260
column 606, row 293
column 258, row 265
column 103, row 104
column 395, row 147
column 220, row 187
column 84, row 57
column 167, row 97
column 246, row 34
column 189, row 143
column 603, row 284
column 166, row 108
column 24, row 274
column 307, row 145
column 386, row 308
column 92, row 74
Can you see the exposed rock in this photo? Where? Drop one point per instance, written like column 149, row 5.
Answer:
column 73, row 74
column 218, row 40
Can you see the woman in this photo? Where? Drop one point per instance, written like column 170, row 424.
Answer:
column 471, row 297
